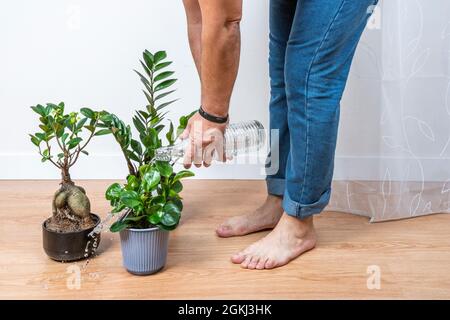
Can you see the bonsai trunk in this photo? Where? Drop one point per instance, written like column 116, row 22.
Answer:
column 71, row 207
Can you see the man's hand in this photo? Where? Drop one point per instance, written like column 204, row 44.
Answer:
column 206, row 139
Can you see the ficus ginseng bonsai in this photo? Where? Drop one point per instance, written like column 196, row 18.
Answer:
column 150, row 197
column 61, row 141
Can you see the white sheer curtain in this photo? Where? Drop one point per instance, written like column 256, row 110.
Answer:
column 393, row 158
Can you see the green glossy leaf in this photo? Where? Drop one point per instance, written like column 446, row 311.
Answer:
column 133, row 156
column 131, row 199
column 165, row 84
column 177, row 186
column 136, row 146
column 132, row 183
column 165, row 104
column 140, row 127
column 103, row 132
column 118, row 226
column 159, row 56
column 183, row 174
column 148, row 58
column 164, row 168
column 163, row 95
column 134, row 218
column 113, row 192
column 81, row 123
column 162, row 65
column 74, row 142
column 151, row 179
column 163, row 75
column 88, row 113
column 35, row 140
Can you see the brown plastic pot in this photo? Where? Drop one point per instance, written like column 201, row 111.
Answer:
column 71, row 246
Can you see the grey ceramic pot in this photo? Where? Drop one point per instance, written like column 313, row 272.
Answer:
column 144, row 251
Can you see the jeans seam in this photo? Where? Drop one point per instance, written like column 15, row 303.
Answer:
column 308, row 74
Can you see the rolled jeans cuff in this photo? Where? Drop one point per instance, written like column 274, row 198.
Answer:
column 303, row 211
column 275, row 186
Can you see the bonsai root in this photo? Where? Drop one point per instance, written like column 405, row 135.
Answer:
column 71, row 210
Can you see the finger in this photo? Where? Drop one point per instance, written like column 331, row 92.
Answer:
column 208, row 156
column 187, row 160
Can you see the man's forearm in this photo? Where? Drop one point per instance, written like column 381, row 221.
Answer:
column 220, row 53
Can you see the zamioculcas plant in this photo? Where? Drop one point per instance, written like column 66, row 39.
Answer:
column 150, row 197
column 151, row 194
column 62, row 139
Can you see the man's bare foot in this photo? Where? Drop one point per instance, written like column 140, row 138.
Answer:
column 290, row 238
column 265, row 217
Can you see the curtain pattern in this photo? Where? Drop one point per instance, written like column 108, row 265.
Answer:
column 396, row 114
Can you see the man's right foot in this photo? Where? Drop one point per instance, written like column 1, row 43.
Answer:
column 265, row 217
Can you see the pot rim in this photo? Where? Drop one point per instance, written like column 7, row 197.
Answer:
column 153, row 229
column 99, row 220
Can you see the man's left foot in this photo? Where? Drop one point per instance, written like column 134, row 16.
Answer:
column 290, row 238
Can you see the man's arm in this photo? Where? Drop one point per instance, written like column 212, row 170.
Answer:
column 219, row 63
column 194, row 26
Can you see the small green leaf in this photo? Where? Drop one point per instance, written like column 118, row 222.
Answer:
column 136, row 146
column 148, row 58
column 159, row 56
column 118, row 226
column 134, row 218
column 140, row 127
column 88, row 113
column 81, row 123
column 177, row 186
column 132, row 182
column 85, row 152
column 74, row 142
column 165, row 94
column 35, row 140
column 162, row 65
column 164, row 168
column 39, row 109
column 163, row 75
column 183, row 174
column 102, row 132
column 131, row 199
column 133, row 156
column 165, row 84
column 113, row 192
column 151, row 179
column 165, row 104
column 155, row 218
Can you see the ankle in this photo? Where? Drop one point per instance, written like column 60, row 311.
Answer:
column 301, row 227
column 273, row 199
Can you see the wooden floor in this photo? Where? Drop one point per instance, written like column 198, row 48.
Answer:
column 413, row 255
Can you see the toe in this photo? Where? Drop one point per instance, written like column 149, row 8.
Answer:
column 246, row 262
column 224, row 231
column 238, row 257
column 261, row 263
column 254, row 262
column 270, row 264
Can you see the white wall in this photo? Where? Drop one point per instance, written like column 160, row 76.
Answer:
column 83, row 52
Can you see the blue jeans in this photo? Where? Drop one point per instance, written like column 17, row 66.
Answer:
column 312, row 44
